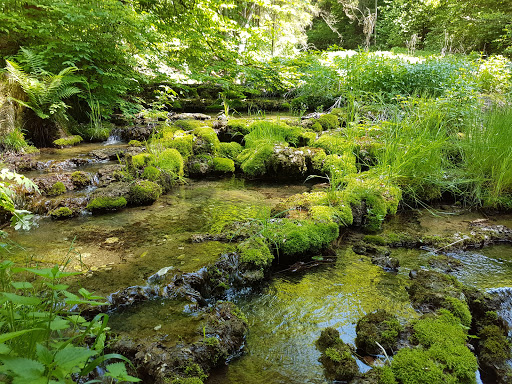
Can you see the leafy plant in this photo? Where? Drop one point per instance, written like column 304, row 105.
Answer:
column 45, row 91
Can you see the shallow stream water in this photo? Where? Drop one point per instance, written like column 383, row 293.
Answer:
column 285, row 316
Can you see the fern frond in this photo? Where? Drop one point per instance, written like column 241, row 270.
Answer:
column 34, row 61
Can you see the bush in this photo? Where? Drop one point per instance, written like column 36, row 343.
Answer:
column 144, row 192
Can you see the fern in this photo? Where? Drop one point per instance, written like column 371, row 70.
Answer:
column 45, row 91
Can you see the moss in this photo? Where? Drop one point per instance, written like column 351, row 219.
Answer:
column 57, row 189
column 336, row 356
column 200, row 164
column 68, row 141
column 151, row 173
column 323, row 213
column 333, row 144
column 328, row 121
column 182, row 142
column 190, row 125
column 144, row 192
column 169, row 160
column 135, row 143
column 222, row 164
column 61, row 213
column 385, row 375
column 340, row 165
column 238, row 126
column 318, row 160
column 105, row 203
column 317, row 127
column 494, row 346
column 375, row 239
column 377, row 327
column 430, row 289
column 255, row 251
column 206, row 141
column 253, row 161
column 307, row 138
column 460, row 309
column 187, row 380
column 413, row 366
column 230, row 150
column 444, row 329
column 80, row 179
column 444, row 262
column 142, row 159
column 296, row 237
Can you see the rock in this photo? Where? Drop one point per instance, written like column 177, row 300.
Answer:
column 188, row 116
column 377, row 327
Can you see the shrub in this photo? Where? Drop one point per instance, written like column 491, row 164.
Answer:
column 106, row 203
column 221, row 164
column 144, row 192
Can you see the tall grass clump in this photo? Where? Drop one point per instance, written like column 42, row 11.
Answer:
column 486, row 148
column 267, row 132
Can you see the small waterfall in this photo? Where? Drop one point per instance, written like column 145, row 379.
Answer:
column 113, row 139
column 504, row 294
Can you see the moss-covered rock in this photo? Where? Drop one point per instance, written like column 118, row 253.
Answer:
column 106, row 203
column 151, row 173
column 144, row 192
column 255, row 251
column 199, row 165
column 169, row 160
column 135, row 143
column 68, row 141
column 80, row 179
column 377, row 327
column 336, row 356
column 253, row 161
column 329, row 121
column 61, row 213
column 206, row 141
column 223, row 165
column 57, row 189
column 142, row 159
column 230, row 150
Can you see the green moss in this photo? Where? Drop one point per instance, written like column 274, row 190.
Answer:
column 210, row 141
column 61, row 213
column 460, row 309
column 333, row 144
column 187, row 380
column 430, row 289
column 445, row 329
column 151, row 173
column 182, row 142
column 494, row 346
column 190, row 125
column 317, row 127
column 375, row 239
column 230, row 150
column 328, row 121
column 339, row 165
column 57, row 189
column 307, row 138
column 413, row 366
column 142, row 159
column 295, row 237
column 169, row 160
column 385, row 375
column 255, row 251
column 240, row 126
column 80, row 179
column 318, row 160
column 336, row 356
column 106, row 203
column 222, row 164
column 135, row 143
column 68, row 141
column 144, row 192
column 377, row 327
column 253, row 160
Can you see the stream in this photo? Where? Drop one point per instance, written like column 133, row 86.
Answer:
column 286, row 315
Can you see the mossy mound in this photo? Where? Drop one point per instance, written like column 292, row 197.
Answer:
column 181, row 141
column 328, row 121
column 68, row 141
column 253, row 161
column 230, row 150
column 223, row 165
column 199, row 165
column 169, row 160
column 333, row 143
column 336, row 356
column 255, row 251
column 377, row 327
column 135, row 143
column 61, row 213
column 297, row 237
column 106, row 203
column 151, row 173
column 206, row 141
column 144, row 192
column 430, row 289
column 80, row 179
column 57, row 189
column 142, row 159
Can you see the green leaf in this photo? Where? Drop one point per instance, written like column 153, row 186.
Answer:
column 72, row 358
column 21, row 285
column 23, row 367
column 4, row 349
column 59, row 323
column 100, row 360
column 22, row 300
column 44, row 355
column 11, row 335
